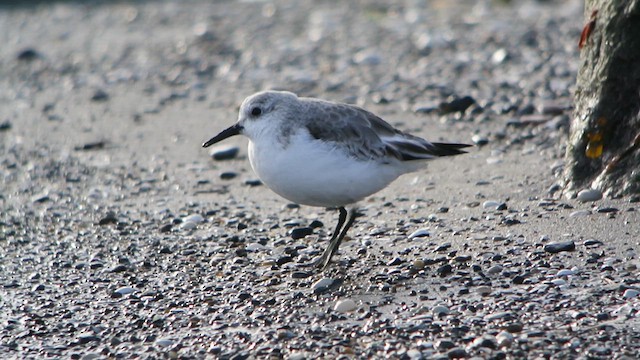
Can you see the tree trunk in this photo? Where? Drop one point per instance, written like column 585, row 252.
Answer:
column 604, row 145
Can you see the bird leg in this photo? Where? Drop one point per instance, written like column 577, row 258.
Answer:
column 337, row 237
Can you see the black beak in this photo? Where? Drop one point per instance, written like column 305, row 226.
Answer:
column 229, row 132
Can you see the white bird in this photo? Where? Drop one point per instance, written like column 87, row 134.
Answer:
column 321, row 153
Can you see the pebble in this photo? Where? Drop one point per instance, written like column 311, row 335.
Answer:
column 419, row 233
column 418, row 264
column 631, row 293
column 588, row 195
column 490, row 205
column 164, row 342
column 578, row 213
column 555, row 248
column 188, row 225
column 299, row 233
column 495, row 269
column 346, row 305
column 480, row 140
column 440, row 310
column 456, row 105
column 592, row 242
column 228, row 175
column 457, row 353
column 253, row 182
column 224, row 152
column 28, row 54
column 322, row 284
column 558, row 282
column 483, row 290
column 254, row 247
column 504, row 339
column 565, row 272
column 195, row 218
column 125, row 290
column 100, row 95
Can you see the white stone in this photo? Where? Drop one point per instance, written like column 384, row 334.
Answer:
column 490, row 205
column 631, row 293
column 322, row 283
column 188, row 225
column 419, row 233
column 565, row 272
column 195, row 218
column 125, row 290
column 580, row 213
column 588, row 195
column 439, row 310
column 504, row 339
column 345, row 305
column 164, row 342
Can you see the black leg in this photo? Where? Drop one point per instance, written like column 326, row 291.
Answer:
column 337, row 237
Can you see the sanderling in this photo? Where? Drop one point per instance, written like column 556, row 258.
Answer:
column 321, row 153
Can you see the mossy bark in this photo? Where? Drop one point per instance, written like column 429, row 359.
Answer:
column 604, row 144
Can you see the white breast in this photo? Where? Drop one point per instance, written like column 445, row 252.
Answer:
column 312, row 172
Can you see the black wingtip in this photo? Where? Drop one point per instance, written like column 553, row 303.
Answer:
column 449, row 149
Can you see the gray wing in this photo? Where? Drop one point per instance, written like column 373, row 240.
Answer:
column 366, row 136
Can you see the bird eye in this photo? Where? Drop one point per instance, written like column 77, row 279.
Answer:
column 256, row 111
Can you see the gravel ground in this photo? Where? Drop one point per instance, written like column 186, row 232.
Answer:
column 122, row 238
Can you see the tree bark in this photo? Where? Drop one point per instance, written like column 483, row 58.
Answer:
column 604, row 144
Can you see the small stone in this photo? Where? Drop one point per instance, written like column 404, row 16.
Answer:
column 419, row 233
column 125, row 290
column 224, row 152
column 418, row 264
column 164, row 342
column 565, row 272
column 457, row 353
column 346, row 305
column 588, row 195
column 322, row 285
column 300, row 274
column 578, row 213
column 456, row 105
column 253, row 247
column 5, row 126
column 188, row 225
column 631, row 293
column 499, row 56
column 444, row 270
column 108, row 219
column 606, row 209
column 558, row 282
column 367, row 57
column 440, row 310
column 100, row 95
column 592, row 242
column 555, row 248
column 195, row 218
column 228, row 175
column 316, row 224
column 495, row 269
column 86, row 338
column 483, row 290
column 490, row 205
column 284, row 260
column 28, row 54
column 504, row 339
column 299, row 233
column 480, row 140
column 166, row 228
column 253, row 182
